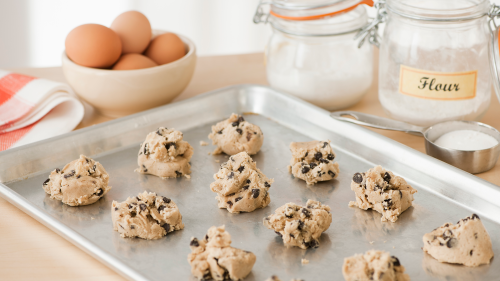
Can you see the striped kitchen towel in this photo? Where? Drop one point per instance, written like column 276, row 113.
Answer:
column 33, row 109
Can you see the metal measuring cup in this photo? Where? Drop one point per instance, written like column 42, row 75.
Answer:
column 475, row 161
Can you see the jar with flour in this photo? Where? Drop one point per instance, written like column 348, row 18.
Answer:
column 311, row 53
column 434, row 59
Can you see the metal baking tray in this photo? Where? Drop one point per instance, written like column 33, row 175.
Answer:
column 445, row 194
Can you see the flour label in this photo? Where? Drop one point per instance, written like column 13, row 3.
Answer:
column 437, row 85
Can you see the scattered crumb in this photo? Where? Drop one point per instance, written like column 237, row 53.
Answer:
column 385, row 241
column 305, row 261
column 203, row 143
column 218, row 161
column 371, row 242
column 92, row 218
column 209, row 153
column 217, row 151
column 394, row 247
column 187, row 176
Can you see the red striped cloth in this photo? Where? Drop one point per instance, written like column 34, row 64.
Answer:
column 33, row 109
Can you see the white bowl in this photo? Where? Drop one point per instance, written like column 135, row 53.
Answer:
column 117, row 93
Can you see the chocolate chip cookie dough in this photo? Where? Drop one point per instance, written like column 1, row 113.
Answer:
column 382, row 191
column 81, row 182
column 313, row 161
column 236, row 135
column 213, row 257
column 300, row 226
column 374, row 265
column 466, row 242
column 146, row 216
column 165, row 154
column 240, row 185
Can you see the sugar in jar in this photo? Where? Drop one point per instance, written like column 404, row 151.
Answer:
column 311, row 53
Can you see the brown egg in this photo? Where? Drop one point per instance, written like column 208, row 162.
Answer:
column 166, row 48
column 134, row 30
column 93, row 45
column 133, row 61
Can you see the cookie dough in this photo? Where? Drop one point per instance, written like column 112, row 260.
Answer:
column 80, row 182
column 240, row 185
column 374, row 265
column 300, row 226
column 466, row 242
column 165, row 154
column 382, row 191
column 146, row 216
column 275, row 278
column 313, row 161
column 236, row 135
column 213, row 257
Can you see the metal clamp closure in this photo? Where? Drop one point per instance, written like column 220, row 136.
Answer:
column 260, row 15
column 370, row 30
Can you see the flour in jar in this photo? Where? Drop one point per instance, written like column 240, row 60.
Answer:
column 467, row 140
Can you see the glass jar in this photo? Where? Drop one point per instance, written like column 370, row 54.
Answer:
column 312, row 55
column 434, row 63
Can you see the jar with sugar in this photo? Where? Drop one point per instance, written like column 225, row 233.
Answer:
column 311, row 53
column 434, row 59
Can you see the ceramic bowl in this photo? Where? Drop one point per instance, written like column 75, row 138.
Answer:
column 117, row 93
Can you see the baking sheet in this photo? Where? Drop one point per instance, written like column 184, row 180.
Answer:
column 445, row 194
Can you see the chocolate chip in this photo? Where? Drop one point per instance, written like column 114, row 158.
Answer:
column 235, row 124
column 305, row 169
column 330, row 157
column 471, row 252
column 170, row 144
column 306, row 212
column 220, row 132
column 400, row 194
column 206, row 237
column 133, row 214
column 474, row 216
column 58, row 170
column 311, row 244
column 387, row 177
column 143, row 207
column 241, row 168
column 72, row 173
column 194, row 242
column 246, row 187
column 166, row 200
column 230, row 204
column 138, row 199
column 313, row 165
column 161, row 208
column 144, row 168
column 231, row 175
column 146, row 149
column 232, row 194
column 46, row 182
column 130, row 206
column 452, row 243
column 237, row 199
column 324, row 161
column 158, row 132
column 249, row 136
column 395, row 261
column 241, row 119
column 99, row 192
column 289, row 215
column 178, row 174
column 239, row 131
column 266, row 184
column 255, row 192
column 301, row 225
column 475, row 235
column 166, row 226
column 318, row 155
column 116, row 209
column 278, row 233
column 357, row 178
column 447, row 234
column 248, row 181
column 387, row 203
column 331, row 173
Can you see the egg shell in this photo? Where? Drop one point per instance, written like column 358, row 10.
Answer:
column 93, row 45
column 134, row 31
column 133, row 61
column 165, row 48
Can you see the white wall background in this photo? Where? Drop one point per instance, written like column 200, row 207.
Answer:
column 32, row 32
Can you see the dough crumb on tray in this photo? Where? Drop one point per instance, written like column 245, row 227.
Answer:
column 203, row 143
column 304, row 261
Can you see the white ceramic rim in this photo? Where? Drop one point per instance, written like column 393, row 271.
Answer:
column 189, row 54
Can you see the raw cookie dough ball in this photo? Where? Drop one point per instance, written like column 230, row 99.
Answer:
column 466, row 242
column 240, row 185
column 381, row 190
column 81, row 182
column 374, row 265
column 165, row 154
column 213, row 257
column 146, row 216
column 300, row 226
column 236, row 135
column 313, row 161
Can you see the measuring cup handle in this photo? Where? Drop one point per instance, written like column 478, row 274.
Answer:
column 377, row 122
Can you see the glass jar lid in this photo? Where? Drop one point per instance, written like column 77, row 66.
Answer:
column 439, row 10
column 313, row 9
